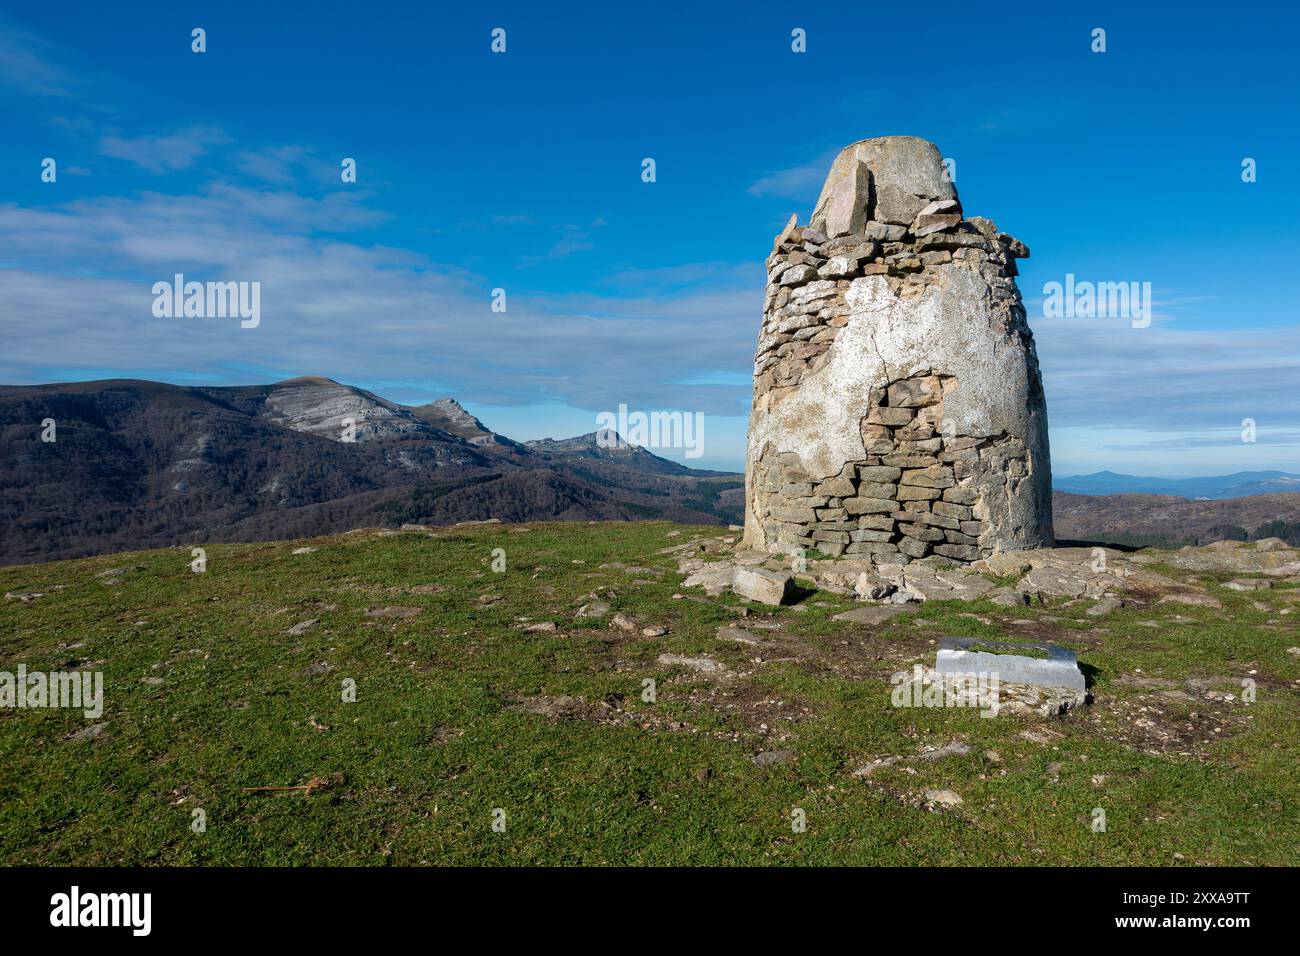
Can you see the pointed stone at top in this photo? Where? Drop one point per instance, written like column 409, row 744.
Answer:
column 888, row 179
column 789, row 234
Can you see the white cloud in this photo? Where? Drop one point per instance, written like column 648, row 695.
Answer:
column 162, row 154
column 83, row 274
column 679, row 337
column 801, row 183
column 572, row 239
column 1105, row 373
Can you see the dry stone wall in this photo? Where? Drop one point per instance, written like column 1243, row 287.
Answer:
column 898, row 409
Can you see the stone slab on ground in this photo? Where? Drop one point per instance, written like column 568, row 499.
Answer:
column 872, row 613
column 961, row 655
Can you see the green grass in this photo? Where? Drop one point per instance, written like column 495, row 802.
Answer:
column 444, row 730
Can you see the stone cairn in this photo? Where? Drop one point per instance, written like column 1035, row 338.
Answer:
column 898, row 409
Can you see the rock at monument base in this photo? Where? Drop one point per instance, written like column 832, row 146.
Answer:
column 764, row 586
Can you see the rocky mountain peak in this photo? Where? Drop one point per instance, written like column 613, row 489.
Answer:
column 321, row 406
column 450, row 416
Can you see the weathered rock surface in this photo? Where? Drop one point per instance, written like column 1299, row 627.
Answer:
column 767, row 587
column 871, row 615
column 1109, row 579
column 321, row 406
column 898, row 410
column 1238, row 556
column 903, row 174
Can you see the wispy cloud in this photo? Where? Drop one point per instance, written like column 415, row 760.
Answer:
column 1225, row 438
column 338, row 307
column 280, row 165
column 32, row 64
column 801, row 183
column 572, row 239
column 678, row 277
column 1104, row 372
column 166, row 153
column 347, row 310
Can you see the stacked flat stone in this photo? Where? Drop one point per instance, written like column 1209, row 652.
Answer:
column 898, row 409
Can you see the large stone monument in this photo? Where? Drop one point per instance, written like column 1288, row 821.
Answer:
column 898, row 409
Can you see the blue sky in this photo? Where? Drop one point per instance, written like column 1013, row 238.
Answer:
column 522, row 171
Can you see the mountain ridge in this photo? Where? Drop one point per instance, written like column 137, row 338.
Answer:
column 1240, row 484
column 137, row 464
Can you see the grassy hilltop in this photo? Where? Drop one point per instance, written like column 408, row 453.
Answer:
column 467, row 702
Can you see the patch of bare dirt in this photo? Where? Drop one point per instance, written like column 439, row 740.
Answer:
column 1159, row 716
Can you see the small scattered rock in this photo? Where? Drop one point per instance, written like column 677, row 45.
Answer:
column 399, row 612
column 1103, row 607
column 1009, row 597
column 729, row 632
column 113, row 576
column 1187, row 597
column 705, row 665
column 868, row 587
column 873, row 614
column 954, row 749
column 947, row 798
column 25, row 598
column 88, row 733
column 1248, row 584
column 770, row 758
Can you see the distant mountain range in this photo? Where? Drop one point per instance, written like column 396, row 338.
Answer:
column 1169, row 521
column 1243, row 484
column 139, row 464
